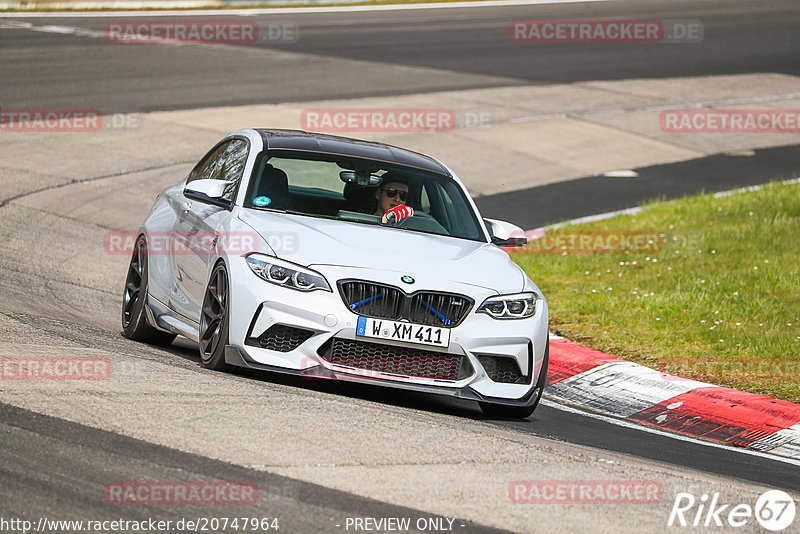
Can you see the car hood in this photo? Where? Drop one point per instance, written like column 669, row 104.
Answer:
column 314, row 241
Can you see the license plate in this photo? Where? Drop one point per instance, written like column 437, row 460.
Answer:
column 399, row 331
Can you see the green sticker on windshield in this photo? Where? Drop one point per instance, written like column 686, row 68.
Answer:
column 262, row 201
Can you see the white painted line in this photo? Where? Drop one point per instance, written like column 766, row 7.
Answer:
column 284, row 11
column 741, row 153
column 624, row 173
column 69, row 30
column 591, row 218
column 538, row 232
column 752, row 188
column 637, row 426
column 13, row 25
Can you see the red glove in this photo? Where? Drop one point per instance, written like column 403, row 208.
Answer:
column 397, row 213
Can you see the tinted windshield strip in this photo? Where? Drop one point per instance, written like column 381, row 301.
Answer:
column 441, row 171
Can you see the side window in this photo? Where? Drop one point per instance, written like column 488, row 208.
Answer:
column 225, row 163
column 232, row 166
column 460, row 216
column 208, row 169
column 425, row 202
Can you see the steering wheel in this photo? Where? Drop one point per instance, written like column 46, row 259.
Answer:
column 423, row 222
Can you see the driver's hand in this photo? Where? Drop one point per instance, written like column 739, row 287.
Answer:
column 397, row 213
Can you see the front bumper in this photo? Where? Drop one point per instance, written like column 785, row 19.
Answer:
column 258, row 305
column 237, row 358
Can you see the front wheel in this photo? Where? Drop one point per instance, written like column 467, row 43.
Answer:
column 134, row 320
column 520, row 412
column 214, row 320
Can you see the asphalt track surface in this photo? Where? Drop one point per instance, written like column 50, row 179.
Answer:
column 51, row 70
column 446, row 48
column 593, row 195
column 77, row 454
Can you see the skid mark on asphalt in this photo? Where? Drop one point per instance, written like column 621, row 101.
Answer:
column 125, row 172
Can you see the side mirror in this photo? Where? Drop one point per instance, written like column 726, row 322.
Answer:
column 210, row 189
column 505, row 234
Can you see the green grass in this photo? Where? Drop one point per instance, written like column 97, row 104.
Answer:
column 719, row 302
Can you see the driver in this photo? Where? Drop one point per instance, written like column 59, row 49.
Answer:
column 392, row 197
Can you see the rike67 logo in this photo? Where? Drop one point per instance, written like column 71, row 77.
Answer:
column 774, row 510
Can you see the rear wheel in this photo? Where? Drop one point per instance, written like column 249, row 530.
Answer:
column 520, row 412
column 214, row 320
column 134, row 317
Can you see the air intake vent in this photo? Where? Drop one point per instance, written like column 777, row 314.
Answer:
column 502, row 369
column 281, row 338
column 405, row 361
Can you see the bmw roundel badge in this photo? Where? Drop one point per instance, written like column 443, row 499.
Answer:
column 407, row 279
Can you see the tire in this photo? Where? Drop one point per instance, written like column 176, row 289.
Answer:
column 214, row 316
column 134, row 318
column 520, row 412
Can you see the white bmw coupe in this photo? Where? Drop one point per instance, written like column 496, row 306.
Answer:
column 331, row 257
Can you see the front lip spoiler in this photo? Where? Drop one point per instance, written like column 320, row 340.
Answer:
column 235, row 357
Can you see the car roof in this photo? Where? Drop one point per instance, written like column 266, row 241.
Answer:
column 345, row 146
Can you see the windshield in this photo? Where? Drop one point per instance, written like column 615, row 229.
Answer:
column 358, row 190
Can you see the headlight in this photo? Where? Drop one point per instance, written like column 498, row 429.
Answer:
column 517, row 306
column 286, row 274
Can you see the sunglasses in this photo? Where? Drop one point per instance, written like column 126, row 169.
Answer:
column 391, row 192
